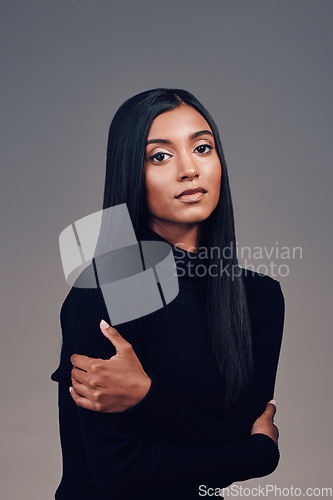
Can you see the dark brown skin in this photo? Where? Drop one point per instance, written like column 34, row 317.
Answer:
column 115, row 384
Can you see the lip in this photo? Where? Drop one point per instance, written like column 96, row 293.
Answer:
column 191, row 198
column 193, row 191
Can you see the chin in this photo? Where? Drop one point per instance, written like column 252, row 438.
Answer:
column 194, row 218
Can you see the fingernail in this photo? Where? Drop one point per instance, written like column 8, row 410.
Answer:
column 273, row 402
column 105, row 324
column 70, row 389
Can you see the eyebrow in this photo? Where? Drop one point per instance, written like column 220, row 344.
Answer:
column 166, row 141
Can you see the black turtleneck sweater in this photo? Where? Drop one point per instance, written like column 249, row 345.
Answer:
column 177, row 440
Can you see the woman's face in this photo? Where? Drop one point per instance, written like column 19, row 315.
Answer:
column 180, row 156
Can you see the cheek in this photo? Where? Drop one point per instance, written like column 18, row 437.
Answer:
column 155, row 194
column 216, row 175
column 157, row 186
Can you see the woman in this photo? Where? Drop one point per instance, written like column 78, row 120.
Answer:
column 176, row 402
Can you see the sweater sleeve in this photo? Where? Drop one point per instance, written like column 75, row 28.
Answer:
column 120, row 458
column 267, row 339
column 122, row 454
column 162, row 409
column 162, row 412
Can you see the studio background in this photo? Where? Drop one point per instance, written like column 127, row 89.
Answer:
column 263, row 69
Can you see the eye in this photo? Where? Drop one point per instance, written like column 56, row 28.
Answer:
column 202, row 148
column 159, row 157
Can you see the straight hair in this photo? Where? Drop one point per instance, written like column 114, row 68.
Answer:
column 226, row 309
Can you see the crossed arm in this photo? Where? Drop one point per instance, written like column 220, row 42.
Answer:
column 127, row 419
column 120, row 385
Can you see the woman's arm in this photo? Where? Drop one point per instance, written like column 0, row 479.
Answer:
column 161, row 405
column 267, row 310
column 268, row 321
column 116, row 383
column 119, row 451
column 123, row 461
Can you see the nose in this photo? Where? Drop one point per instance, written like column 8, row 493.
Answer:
column 187, row 168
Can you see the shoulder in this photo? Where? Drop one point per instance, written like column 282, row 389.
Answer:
column 82, row 310
column 264, row 295
column 81, row 303
column 84, row 296
column 81, row 313
column 80, row 316
column 258, row 283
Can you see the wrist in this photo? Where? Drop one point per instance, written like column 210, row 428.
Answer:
column 146, row 390
column 143, row 389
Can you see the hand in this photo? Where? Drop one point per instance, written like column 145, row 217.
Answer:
column 110, row 385
column 264, row 424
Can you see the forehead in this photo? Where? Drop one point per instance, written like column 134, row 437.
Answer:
column 181, row 120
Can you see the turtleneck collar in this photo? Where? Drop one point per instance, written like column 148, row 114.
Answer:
column 190, row 265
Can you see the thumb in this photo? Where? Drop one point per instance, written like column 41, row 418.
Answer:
column 113, row 335
column 271, row 408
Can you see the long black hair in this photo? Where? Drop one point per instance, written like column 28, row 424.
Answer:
column 226, row 308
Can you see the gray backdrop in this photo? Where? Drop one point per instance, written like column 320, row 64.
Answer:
column 263, row 69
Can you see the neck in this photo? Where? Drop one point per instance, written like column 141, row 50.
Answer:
column 184, row 236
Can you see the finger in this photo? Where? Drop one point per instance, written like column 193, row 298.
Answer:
column 271, row 408
column 79, row 375
column 80, row 401
column 81, row 361
column 82, row 390
column 114, row 336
